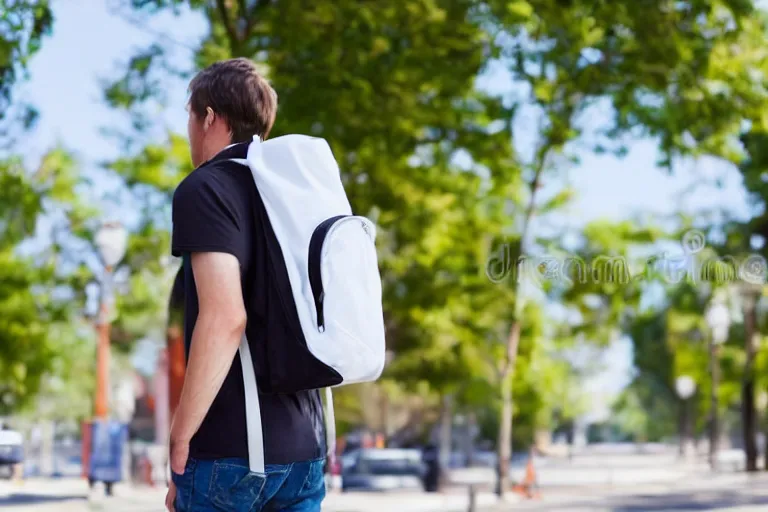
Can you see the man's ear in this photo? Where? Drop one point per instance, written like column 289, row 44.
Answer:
column 210, row 116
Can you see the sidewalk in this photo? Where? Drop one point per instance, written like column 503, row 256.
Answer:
column 705, row 491
column 414, row 502
column 723, row 492
column 152, row 500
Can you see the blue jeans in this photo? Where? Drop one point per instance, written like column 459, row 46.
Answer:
column 227, row 485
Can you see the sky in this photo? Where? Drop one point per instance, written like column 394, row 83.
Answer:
column 88, row 46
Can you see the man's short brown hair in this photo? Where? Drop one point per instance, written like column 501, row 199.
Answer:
column 237, row 92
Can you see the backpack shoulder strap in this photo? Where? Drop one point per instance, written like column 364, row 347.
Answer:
column 330, row 423
column 252, row 410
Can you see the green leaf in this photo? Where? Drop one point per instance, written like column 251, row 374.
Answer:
column 520, row 9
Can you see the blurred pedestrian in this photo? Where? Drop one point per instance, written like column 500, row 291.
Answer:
column 432, row 473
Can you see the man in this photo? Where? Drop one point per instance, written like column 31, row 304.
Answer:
column 217, row 229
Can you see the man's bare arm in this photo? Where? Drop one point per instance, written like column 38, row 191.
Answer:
column 220, row 324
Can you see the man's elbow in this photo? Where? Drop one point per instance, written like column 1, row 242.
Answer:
column 230, row 323
column 238, row 322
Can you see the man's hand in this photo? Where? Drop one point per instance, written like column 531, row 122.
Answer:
column 170, row 498
column 179, row 455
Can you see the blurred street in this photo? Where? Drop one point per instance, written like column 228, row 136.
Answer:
column 592, row 482
column 565, row 208
column 720, row 493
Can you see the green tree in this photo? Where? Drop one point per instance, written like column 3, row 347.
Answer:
column 29, row 307
column 392, row 88
column 38, row 297
column 651, row 394
column 568, row 57
column 41, row 263
column 397, row 106
column 742, row 234
column 669, row 341
column 66, row 389
column 23, row 25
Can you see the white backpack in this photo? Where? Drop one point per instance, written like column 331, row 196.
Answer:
column 331, row 263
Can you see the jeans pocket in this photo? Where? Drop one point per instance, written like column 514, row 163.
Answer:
column 184, row 486
column 314, row 483
column 235, row 488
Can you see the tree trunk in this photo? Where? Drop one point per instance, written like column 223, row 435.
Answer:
column 714, row 421
column 765, row 444
column 446, row 427
column 749, row 425
column 748, row 412
column 504, row 441
column 469, row 439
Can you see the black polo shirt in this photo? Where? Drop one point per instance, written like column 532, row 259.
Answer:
column 218, row 209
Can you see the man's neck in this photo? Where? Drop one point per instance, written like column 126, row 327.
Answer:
column 215, row 150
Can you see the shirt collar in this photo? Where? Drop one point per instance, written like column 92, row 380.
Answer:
column 236, row 150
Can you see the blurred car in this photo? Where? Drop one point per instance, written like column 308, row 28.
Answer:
column 11, row 451
column 382, row 469
column 69, row 466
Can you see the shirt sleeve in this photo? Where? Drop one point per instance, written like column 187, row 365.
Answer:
column 204, row 219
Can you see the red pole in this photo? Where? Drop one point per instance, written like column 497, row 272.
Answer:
column 85, row 449
column 101, row 400
column 177, row 360
column 176, row 366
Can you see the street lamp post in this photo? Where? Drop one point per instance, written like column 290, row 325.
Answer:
column 719, row 321
column 111, row 242
column 685, row 387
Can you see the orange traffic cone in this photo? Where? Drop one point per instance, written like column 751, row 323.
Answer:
column 530, row 485
column 149, row 474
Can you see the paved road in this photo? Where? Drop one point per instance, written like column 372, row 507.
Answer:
column 696, row 492
column 703, row 492
column 71, row 496
column 592, row 471
column 49, row 496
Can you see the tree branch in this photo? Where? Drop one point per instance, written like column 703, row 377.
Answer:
column 534, row 186
column 257, row 6
column 250, row 16
column 234, row 41
column 242, row 11
column 513, row 340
